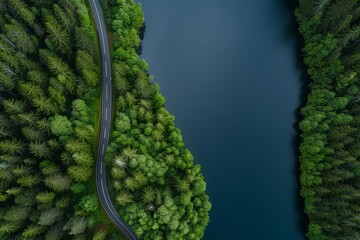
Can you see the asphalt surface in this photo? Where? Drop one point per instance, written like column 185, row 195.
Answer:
column 106, row 110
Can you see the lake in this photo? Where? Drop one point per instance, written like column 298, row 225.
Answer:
column 232, row 75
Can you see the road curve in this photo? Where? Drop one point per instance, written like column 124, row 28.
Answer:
column 106, row 109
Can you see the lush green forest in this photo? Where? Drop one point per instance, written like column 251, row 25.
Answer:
column 49, row 104
column 159, row 190
column 49, row 109
column 330, row 139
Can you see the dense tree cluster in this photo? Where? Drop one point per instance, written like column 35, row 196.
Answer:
column 48, row 87
column 330, row 147
column 159, row 190
column 49, row 82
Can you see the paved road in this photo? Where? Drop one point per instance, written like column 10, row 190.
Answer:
column 106, row 109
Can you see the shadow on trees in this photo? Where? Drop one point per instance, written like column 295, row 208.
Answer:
column 141, row 36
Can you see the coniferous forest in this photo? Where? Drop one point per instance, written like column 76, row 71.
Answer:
column 330, row 140
column 48, row 85
column 49, row 121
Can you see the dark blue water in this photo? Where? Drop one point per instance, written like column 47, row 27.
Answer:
column 230, row 72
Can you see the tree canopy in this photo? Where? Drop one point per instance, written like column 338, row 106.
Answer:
column 329, row 148
column 48, row 106
column 158, row 187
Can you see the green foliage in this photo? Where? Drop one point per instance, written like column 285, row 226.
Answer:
column 18, row 36
column 78, row 188
column 32, row 231
column 16, row 214
column 58, row 182
column 63, row 72
column 59, row 34
column 48, row 89
column 49, row 216
column 76, row 225
column 100, row 235
column 49, row 82
column 123, row 122
column 87, row 67
column 159, row 190
column 45, row 197
column 61, row 126
column 79, row 173
column 330, row 124
column 89, row 203
column 55, row 232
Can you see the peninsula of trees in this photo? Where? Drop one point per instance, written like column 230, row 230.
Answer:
column 330, row 139
column 49, row 119
column 159, row 190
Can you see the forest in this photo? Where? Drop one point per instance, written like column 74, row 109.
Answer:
column 49, row 123
column 330, row 139
column 49, row 104
column 158, row 188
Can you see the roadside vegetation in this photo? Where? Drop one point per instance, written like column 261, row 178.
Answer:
column 49, row 78
column 330, row 145
column 49, row 105
column 158, row 188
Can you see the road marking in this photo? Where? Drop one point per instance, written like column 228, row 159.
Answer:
column 109, row 208
column 106, row 115
column 106, row 70
column 105, row 133
column 107, row 204
column 114, row 213
column 101, row 167
column 101, row 30
column 102, row 188
column 106, row 92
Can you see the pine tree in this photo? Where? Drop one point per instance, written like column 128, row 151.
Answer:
column 59, row 35
column 58, row 182
column 29, row 180
column 16, row 214
column 39, row 149
column 13, row 106
column 12, row 147
column 32, row 231
column 49, row 216
column 124, row 198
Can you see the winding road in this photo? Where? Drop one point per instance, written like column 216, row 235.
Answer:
column 106, row 110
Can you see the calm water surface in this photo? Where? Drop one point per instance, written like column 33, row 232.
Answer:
column 230, row 72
